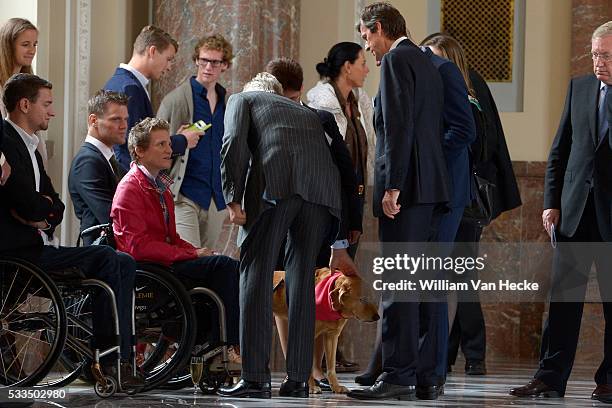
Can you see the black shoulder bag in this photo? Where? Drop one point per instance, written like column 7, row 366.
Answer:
column 480, row 209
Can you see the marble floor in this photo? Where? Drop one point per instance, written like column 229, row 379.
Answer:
column 461, row 391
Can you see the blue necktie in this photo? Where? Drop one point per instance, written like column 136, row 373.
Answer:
column 602, row 114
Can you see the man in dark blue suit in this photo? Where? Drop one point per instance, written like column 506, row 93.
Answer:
column 153, row 55
column 95, row 173
column 459, row 134
column 410, row 192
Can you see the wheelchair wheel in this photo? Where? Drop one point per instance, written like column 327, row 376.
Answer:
column 32, row 323
column 165, row 325
column 73, row 364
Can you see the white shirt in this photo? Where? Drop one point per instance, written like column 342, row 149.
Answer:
column 144, row 81
column 396, row 42
column 106, row 151
column 31, row 142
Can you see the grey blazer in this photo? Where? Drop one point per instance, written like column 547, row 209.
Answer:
column 177, row 109
column 273, row 149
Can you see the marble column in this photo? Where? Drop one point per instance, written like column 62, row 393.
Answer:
column 587, row 15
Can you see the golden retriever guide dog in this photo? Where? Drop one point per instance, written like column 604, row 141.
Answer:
column 343, row 296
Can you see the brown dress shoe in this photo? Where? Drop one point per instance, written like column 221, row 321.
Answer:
column 603, row 393
column 536, row 389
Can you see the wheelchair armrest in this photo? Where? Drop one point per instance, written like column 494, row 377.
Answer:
column 152, row 266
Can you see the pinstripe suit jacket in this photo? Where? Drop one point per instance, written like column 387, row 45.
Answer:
column 273, row 149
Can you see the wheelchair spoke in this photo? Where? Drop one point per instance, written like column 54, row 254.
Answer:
column 9, row 291
column 22, row 303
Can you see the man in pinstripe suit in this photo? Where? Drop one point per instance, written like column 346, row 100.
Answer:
column 279, row 181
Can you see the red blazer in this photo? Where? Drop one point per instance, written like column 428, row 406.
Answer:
column 139, row 225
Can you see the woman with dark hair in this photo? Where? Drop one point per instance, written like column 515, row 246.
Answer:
column 491, row 161
column 339, row 92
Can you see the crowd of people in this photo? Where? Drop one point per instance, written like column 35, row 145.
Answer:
column 293, row 175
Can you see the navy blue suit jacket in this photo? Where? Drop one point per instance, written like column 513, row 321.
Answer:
column 19, row 194
column 408, row 122
column 139, row 107
column 459, row 129
column 92, row 185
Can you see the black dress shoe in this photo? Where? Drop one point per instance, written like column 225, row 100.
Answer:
column 603, row 393
column 429, row 392
column 536, row 389
column 323, row 384
column 366, row 379
column 290, row 388
column 247, row 389
column 383, row 390
column 475, row 367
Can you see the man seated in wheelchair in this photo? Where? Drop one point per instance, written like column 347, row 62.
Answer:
column 144, row 224
column 30, row 210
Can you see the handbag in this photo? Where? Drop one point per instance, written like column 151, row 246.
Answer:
column 480, row 210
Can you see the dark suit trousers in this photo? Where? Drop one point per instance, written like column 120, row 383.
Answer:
column 402, row 361
column 571, row 268
column 116, row 269
column 469, row 327
column 305, row 225
column 447, row 232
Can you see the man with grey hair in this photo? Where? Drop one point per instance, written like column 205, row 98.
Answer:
column 279, row 180
column 265, row 82
column 577, row 210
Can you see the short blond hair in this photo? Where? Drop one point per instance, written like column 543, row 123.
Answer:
column 153, row 36
column 140, row 134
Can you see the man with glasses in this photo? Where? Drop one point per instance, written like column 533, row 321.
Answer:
column 577, row 210
column 200, row 207
column 153, row 55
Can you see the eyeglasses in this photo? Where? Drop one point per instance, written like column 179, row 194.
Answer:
column 213, row 63
column 602, row 57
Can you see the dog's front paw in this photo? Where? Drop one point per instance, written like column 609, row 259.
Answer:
column 340, row 389
column 314, row 389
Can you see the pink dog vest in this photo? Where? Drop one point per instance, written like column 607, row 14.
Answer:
column 323, row 304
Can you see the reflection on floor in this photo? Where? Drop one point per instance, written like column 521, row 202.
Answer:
column 461, row 391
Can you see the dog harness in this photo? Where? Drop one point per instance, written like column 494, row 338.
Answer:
column 323, row 303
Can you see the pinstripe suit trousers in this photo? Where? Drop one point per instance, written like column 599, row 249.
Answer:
column 305, row 225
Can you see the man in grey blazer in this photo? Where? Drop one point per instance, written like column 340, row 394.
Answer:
column 279, row 180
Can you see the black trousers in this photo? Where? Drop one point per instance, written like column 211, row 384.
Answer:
column 571, row 266
column 118, row 270
column 468, row 328
column 403, row 362
column 220, row 274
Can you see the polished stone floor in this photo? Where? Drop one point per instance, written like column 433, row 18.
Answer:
column 461, row 391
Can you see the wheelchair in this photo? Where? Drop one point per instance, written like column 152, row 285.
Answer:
column 36, row 326
column 167, row 334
